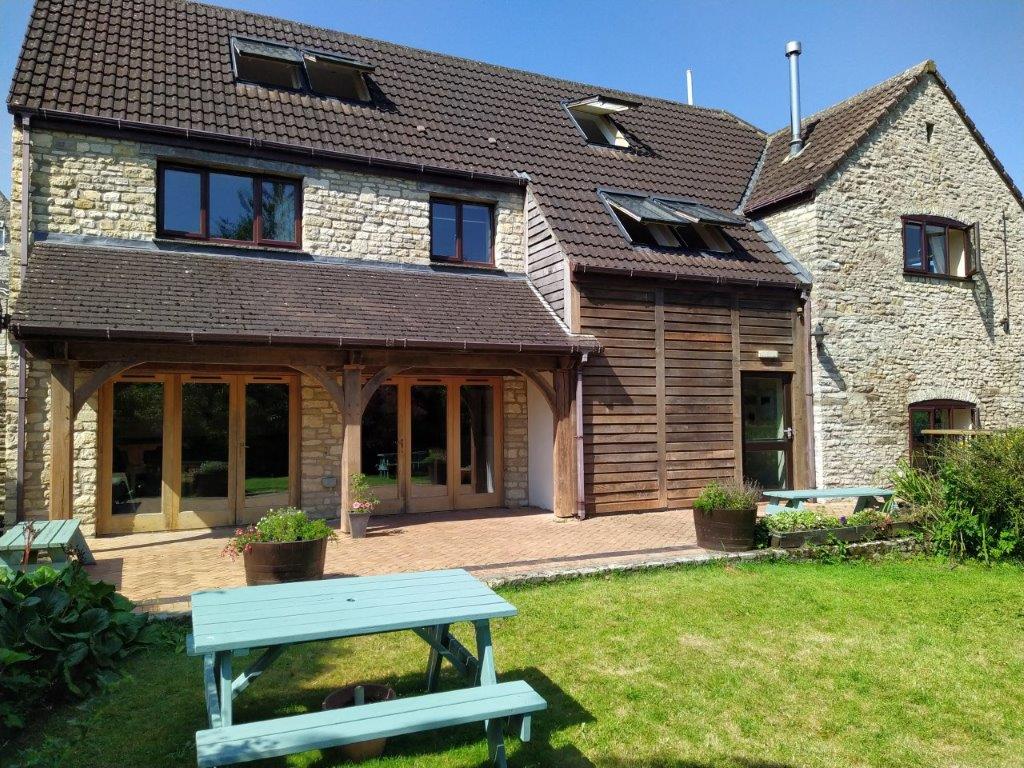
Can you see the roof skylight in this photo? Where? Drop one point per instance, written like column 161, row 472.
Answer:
column 281, row 66
column 592, row 116
column 671, row 223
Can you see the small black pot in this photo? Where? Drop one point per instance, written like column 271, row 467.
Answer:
column 725, row 530
column 346, row 697
column 358, row 523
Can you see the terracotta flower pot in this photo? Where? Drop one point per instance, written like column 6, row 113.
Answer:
column 346, row 697
column 270, row 562
column 358, row 523
column 725, row 530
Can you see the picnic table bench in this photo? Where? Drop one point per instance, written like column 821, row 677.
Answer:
column 864, row 495
column 231, row 621
column 55, row 538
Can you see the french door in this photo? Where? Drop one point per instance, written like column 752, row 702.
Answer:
column 767, row 430
column 430, row 444
column 196, row 450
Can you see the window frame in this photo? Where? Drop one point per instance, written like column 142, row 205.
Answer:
column 362, row 70
column 257, row 180
column 458, row 258
column 606, row 125
column 923, row 221
column 931, row 407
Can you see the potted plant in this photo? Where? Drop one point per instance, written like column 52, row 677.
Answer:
column 285, row 545
column 355, row 696
column 724, row 516
column 363, row 503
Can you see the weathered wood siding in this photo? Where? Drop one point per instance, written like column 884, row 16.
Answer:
column 660, row 403
column 545, row 259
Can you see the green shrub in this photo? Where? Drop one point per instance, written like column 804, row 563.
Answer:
column 62, row 636
column 811, row 519
column 727, row 496
column 971, row 498
column 279, row 525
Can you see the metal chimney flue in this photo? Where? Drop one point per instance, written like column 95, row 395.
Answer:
column 793, row 51
column 689, row 87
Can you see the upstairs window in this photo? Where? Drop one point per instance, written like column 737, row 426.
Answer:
column 315, row 72
column 938, row 246
column 669, row 223
column 593, row 116
column 228, row 206
column 461, row 232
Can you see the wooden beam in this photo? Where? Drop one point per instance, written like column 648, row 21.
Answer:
column 371, row 386
column 351, row 449
column 545, row 389
column 97, row 379
column 565, row 443
column 327, row 381
column 62, row 440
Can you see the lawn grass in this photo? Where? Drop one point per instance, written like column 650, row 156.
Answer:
column 763, row 665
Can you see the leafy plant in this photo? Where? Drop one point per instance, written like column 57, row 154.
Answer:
column 278, row 525
column 730, row 495
column 812, row 519
column 62, row 636
column 364, row 501
column 971, row 497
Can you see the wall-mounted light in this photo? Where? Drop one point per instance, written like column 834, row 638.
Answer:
column 818, row 334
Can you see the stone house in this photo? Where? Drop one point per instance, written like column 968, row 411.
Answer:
column 261, row 257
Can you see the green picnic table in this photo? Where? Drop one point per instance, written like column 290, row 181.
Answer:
column 791, row 500
column 227, row 622
column 55, row 538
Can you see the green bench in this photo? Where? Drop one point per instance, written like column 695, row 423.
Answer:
column 54, row 538
column 319, row 730
column 230, row 622
column 794, row 500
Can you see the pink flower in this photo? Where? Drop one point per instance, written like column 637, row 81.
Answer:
column 248, row 548
column 238, row 532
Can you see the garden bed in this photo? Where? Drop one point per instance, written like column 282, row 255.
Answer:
column 847, row 534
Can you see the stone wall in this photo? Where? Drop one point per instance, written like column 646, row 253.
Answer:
column 895, row 339
column 517, row 446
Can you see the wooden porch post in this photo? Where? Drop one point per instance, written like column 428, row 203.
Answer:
column 565, row 443
column 351, row 453
column 62, row 439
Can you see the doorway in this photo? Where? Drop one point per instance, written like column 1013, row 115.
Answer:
column 434, row 443
column 767, row 430
column 196, row 450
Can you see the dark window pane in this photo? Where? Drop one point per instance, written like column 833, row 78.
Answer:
column 137, row 474
column 429, row 417
column 266, row 445
column 476, row 233
column 476, row 437
column 379, row 459
column 936, row 249
column 182, row 200
column 231, row 206
column 332, row 78
column 767, row 468
column 912, row 246
column 204, row 445
column 442, row 233
column 278, row 204
column 266, row 71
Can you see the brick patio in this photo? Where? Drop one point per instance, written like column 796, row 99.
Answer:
column 160, row 570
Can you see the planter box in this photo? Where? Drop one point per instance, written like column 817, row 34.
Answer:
column 725, row 530
column 847, row 534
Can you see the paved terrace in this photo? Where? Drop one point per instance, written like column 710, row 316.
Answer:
column 160, row 570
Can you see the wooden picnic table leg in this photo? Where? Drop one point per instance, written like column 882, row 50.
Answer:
column 440, row 637
column 224, row 681
column 79, row 544
column 487, row 675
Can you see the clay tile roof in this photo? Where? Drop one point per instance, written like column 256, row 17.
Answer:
column 167, row 64
column 145, row 293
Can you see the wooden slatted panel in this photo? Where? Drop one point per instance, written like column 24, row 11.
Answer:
column 766, row 324
column 545, row 258
column 698, row 392
column 620, row 410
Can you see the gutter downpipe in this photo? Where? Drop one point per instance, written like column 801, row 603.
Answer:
column 581, row 507
column 812, row 468
column 26, row 177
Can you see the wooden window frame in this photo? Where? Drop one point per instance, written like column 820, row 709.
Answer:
column 969, row 232
column 930, row 407
column 458, row 258
column 257, row 180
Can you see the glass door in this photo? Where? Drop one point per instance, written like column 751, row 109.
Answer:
column 478, row 480
column 209, row 451
column 428, row 481
column 381, row 454
column 767, row 431
column 267, row 457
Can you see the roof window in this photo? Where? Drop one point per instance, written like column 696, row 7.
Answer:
column 592, row 116
column 280, row 66
column 670, row 223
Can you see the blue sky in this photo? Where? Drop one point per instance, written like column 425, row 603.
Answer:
column 735, row 48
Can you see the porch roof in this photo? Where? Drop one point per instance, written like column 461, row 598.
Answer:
column 145, row 293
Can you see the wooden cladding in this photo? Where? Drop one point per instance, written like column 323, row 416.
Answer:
column 661, row 402
column 546, row 262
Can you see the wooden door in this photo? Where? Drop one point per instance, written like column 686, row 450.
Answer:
column 209, row 449
column 478, row 441
column 767, row 430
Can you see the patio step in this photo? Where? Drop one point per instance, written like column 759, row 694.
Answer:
column 319, row 730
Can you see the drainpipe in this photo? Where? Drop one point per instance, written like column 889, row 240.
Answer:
column 26, row 176
column 581, row 507
column 809, row 345
column 793, row 50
